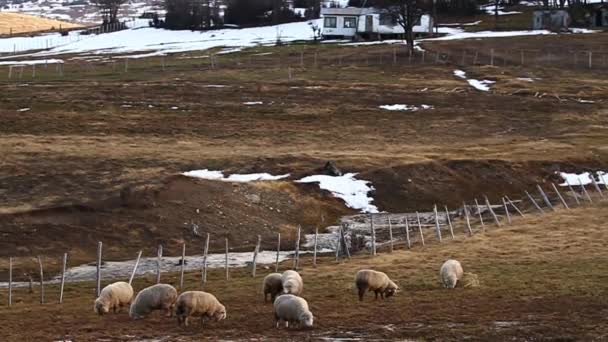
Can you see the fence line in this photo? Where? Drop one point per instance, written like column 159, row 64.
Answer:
column 342, row 244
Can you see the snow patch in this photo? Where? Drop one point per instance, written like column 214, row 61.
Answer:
column 354, row 192
column 601, row 177
column 240, row 178
column 253, row 103
column 23, row 110
column 482, row 85
column 406, row 108
column 526, row 79
column 33, row 62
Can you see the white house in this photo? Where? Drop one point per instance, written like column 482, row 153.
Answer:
column 351, row 22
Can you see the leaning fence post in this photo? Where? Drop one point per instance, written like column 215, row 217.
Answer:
column 181, row 272
column 226, row 261
column 41, row 281
column 407, row 233
column 504, row 203
column 205, row 251
column 574, row 194
column 466, row 215
column 545, row 198
column 534, row 202
column 447, row 215
column 483, row 226
column 296, row 260
column 314, row 255
column 514, row 206
column 420, row 228
column 344, row 240
column 159, row 255
column 491, row 210
column 98, row 274
column 437, row 227
column 10, row 281
column 597, row 187
column 135, row 268
column 373, row 233
column 276, row 266
column 585, row 191
column 560, row 196
column 339, row 243
column 390, row 234
column 255, row 256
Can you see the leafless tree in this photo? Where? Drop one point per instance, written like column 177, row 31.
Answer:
column 407, row 13
column 109, row 9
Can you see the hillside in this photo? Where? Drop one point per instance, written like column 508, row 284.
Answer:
column 16, row 23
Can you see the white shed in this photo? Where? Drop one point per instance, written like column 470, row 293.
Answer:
column 366, row 22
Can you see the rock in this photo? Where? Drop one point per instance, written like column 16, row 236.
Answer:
column 253, row 198
column 331, row 169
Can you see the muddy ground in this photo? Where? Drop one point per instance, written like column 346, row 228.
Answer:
column 98, row 132
column 542, row 278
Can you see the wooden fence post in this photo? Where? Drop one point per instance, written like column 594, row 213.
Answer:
column 597, row 187
column 226, row 261
column 466, row 215
column 491, row 210
column 545, row 198
column 159, row 255
column 205, row 252
column 314, row 255
column 585, row 191
column 276, row 266
column 561, row 199
column 514, row 206
column 255, row 256
column 447, row 215
column 504, row 203
column 373, row 233
column 181, row 272
column 390, row 234
column 135, row 268
column 296, row 259
column 483, row 226
column 98, row 274
column 574, row 194
column 41, row 281
column 407, row 233
column 420, row 228
column 344, row 240
column 437, row 227
column 10, row 281
column 534, row 202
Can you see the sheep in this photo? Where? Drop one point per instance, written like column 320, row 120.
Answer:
column 272, row 285
column 292, row 283
column 292, row 309
column 156, row 297
column 198, row 304
column 113, row 297
column 378, row 282
column 450, row 273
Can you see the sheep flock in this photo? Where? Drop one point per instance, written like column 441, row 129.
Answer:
column 285, row 290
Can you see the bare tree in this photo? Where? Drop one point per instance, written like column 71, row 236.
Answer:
column 109, row 9
column 407, row 13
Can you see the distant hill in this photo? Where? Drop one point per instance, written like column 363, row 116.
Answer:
column 22, row 23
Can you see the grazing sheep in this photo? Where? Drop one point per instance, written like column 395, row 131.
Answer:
column 292, row 309
column 113, row 297
column 450, row 273
column 292, row 283
column 198, row 304
column 156, row 297
column 273, row 286
column 378, row 282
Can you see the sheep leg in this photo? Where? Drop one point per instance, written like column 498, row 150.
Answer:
column 376, row 294
column 361, row 293
column 382, row 294
column 114, row 308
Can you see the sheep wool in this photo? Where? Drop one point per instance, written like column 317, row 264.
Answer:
column 113, row 297
column 292, row 309
column 272, row 285
column 156, row 297
column 379, row 282
column 450, row 273
column 198, row 304
column 292, row 283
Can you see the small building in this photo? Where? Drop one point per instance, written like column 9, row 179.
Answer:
column 354, row 22
column 552, row 20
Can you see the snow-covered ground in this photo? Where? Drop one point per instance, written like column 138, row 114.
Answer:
column 405, row 108
column 483, row 85
column 601, row 177
column 239, row 178
column 353, row 191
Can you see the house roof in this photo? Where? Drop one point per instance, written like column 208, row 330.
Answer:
column 347, row 11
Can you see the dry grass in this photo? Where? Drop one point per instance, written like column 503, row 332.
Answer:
column 542, row 278
column 14, row 23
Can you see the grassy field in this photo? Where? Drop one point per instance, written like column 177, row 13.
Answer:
column 15, row 23
column 542, row 278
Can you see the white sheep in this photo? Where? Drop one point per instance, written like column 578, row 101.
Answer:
column 292, row 283
column 198, row 304
column 272, row 285
column 450, row 273
column 292, row 309
column 379, row 282
column 113, row 297
column 156, row 297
